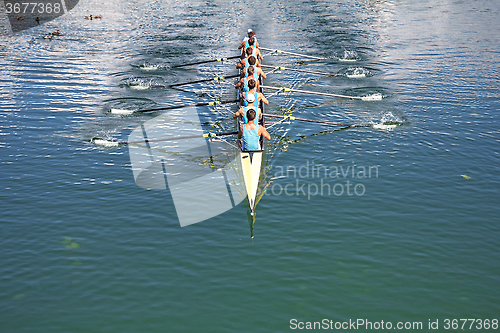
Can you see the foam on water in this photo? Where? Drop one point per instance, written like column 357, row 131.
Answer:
column 388, row 122
column 349, row 56
column 373, row 97
column 138, row 83
column 139, row 86
column 357, row 73
column 152, row 67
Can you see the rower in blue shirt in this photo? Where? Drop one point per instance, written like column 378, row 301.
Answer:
column 250, row 133
column 252, row 96
column 251, row 74
column 251, row 62
column 250, row 34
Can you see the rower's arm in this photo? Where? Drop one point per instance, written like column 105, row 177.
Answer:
column 264, row 76
column 238, row 113
column 240, row 64
column 238, row 84
column 240, row 131
column 241, row 45
column 263, row 99
column 264, row 132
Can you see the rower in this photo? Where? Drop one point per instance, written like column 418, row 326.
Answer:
column 242, row 112
column 251, row 62
column 245, row 40
column 250, row 133
column 252, row 96
column 255, row 50
column 246, row 61
column 251, row 74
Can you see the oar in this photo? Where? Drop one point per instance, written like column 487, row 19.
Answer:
column 279, row 68
column 374, row 97
column 206, row 61
column 127, row 112
column 109, row 143
column 313, row 121
column 217, row 78
column 292, row 53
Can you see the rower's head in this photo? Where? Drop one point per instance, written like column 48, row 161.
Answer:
column 252, row 60
column 251, row 41
column 251, row 115
column 250, row 33
column 251, row 71
column 251, row 84
column 249, row 51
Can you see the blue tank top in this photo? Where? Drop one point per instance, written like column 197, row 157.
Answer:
column 254, row 73
column 247, row 44
column 255, row 102
column 245, row 119
column 245, row 86
column 250, row 138
column 254, row 52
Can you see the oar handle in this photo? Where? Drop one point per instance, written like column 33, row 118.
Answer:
column 308, row 120
column 279, row 68
column 292, row 53
column 186, row 105
column 206, row 135
column 216, row 78
column 310, row 92
column 206, row 61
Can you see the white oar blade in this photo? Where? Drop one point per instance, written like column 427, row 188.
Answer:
column 105, row 143
column 384, row 127
column 356, row 76
column 122, row 112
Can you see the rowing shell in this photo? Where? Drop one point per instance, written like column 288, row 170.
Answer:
column 251, row 161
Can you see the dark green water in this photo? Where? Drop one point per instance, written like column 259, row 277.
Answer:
column 83, row 249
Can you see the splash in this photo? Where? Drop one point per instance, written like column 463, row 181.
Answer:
column 388, row 122
column 373, row 97
column 349, row 56
column 144, row 83
column 152, row 67
column 357, row 73
column 137, row 84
